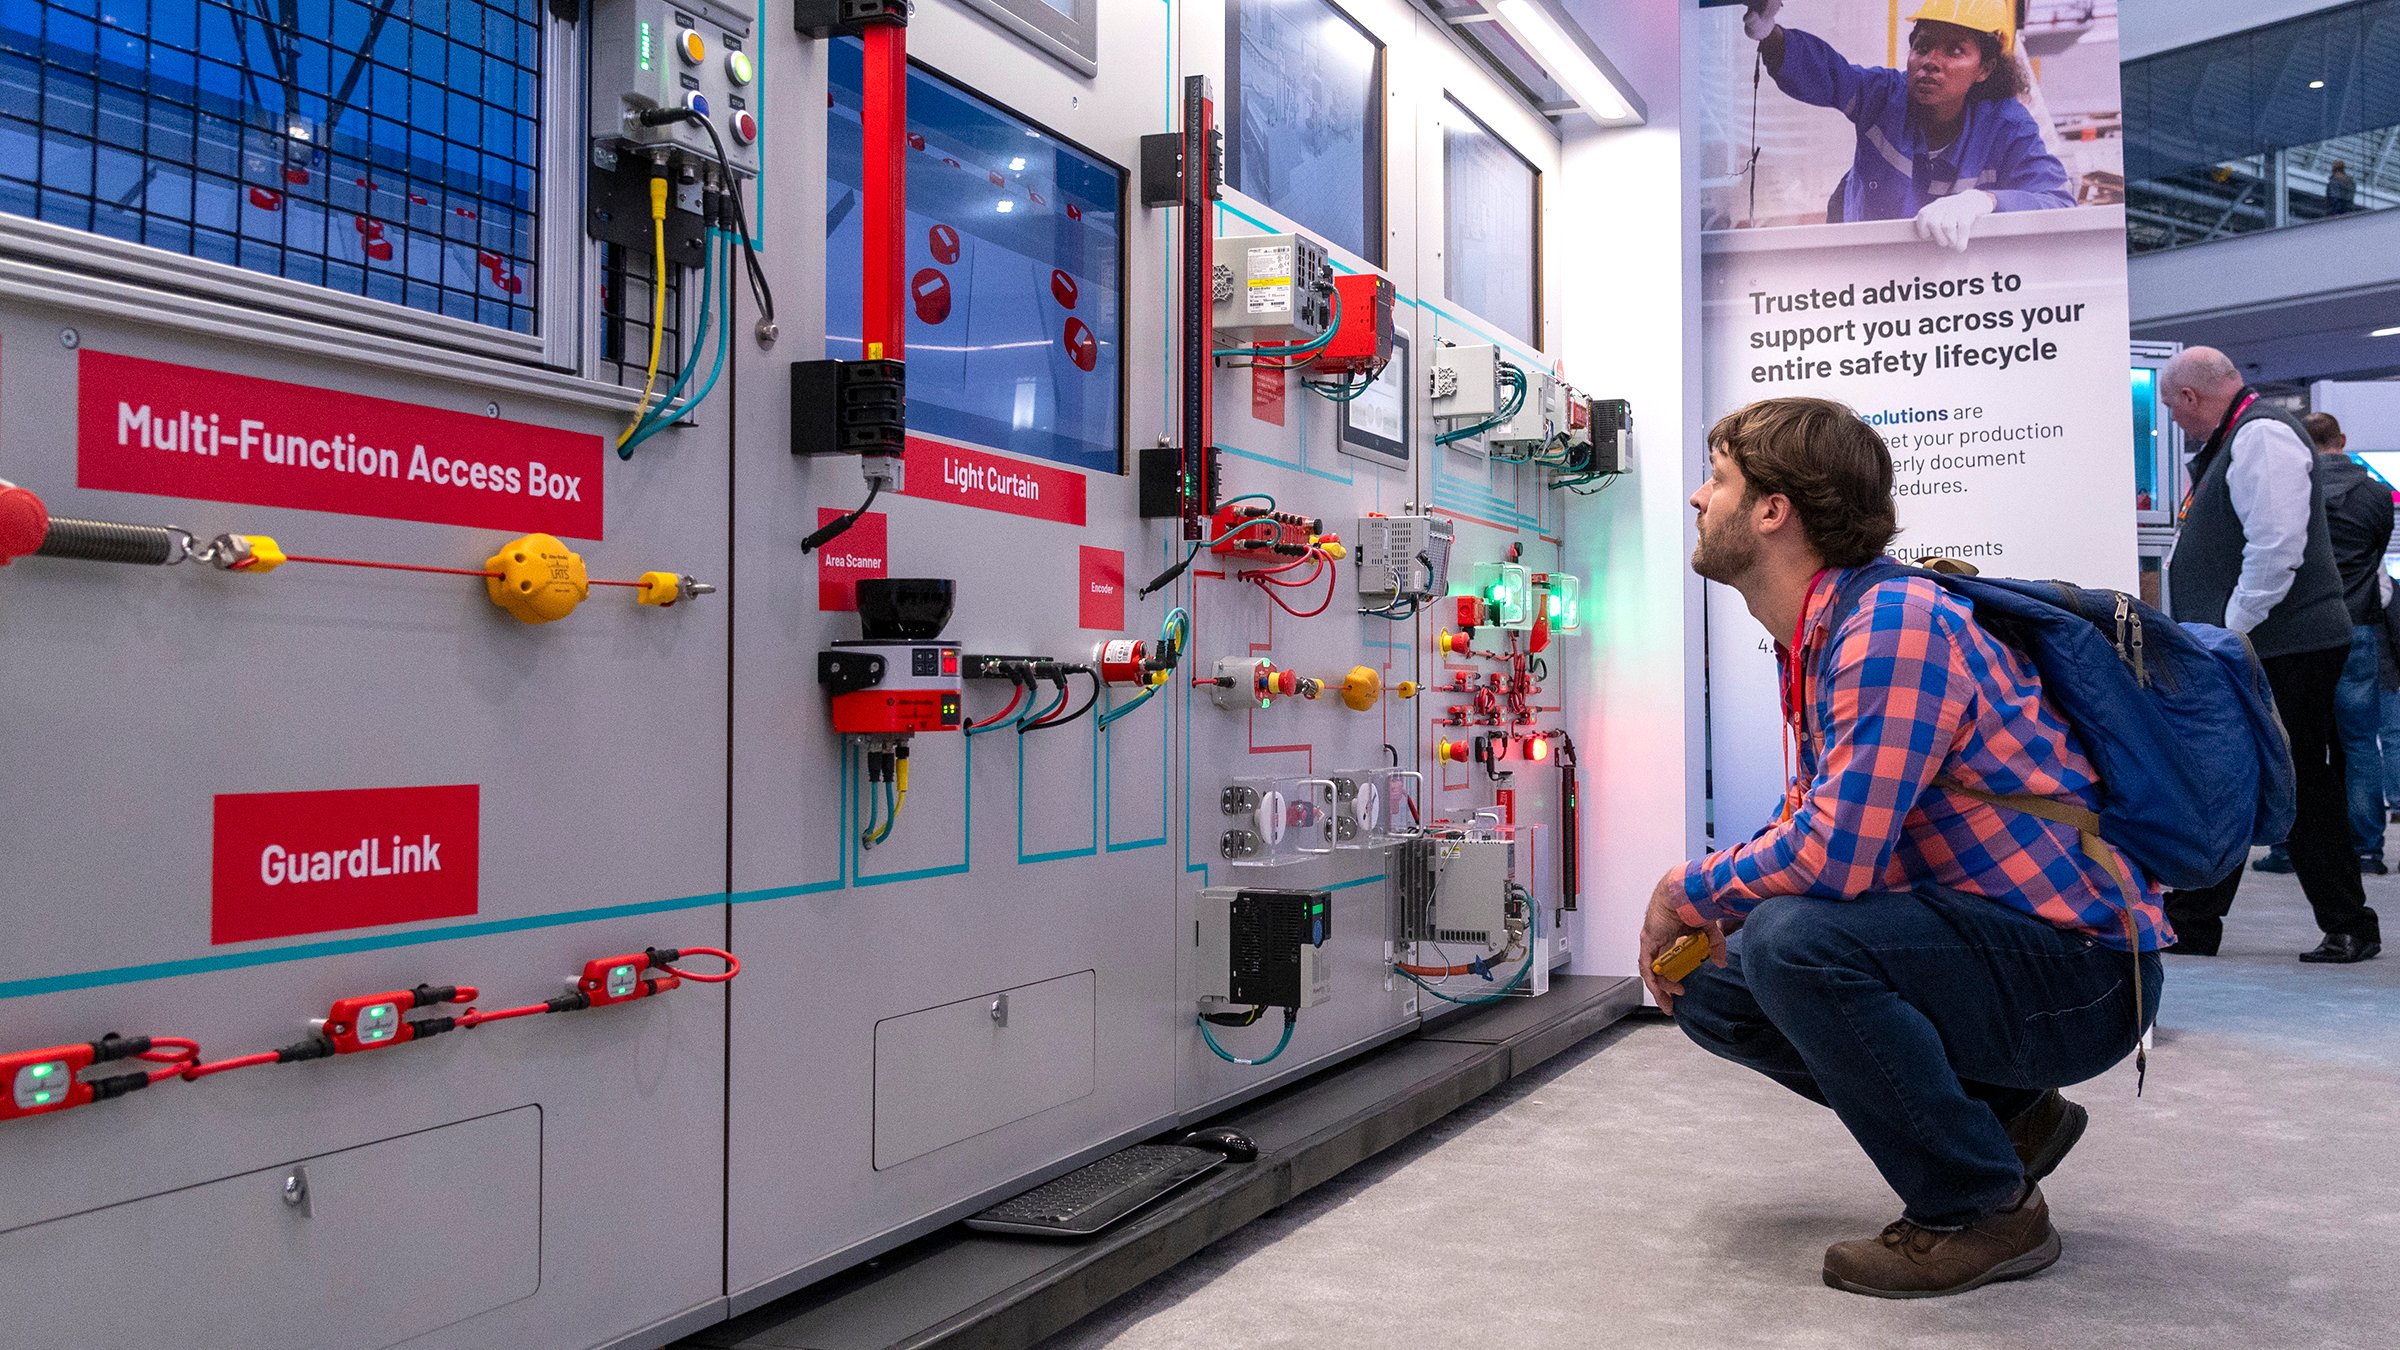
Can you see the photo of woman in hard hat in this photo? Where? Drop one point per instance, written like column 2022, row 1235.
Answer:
column 1944, row 140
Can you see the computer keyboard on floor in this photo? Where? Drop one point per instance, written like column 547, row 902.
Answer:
column 1090, row 1198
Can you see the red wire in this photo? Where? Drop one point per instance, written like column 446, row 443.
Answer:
column 1312, row 555
column 473, row 1017
column 733, row 965
column 199, row 1071
column 1002, row 716
column 421, row 567
column 1333, row 584
column 391, row 567
column 183, row 1054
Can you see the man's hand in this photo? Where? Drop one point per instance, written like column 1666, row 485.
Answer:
column 1759, row 23
column 1950, row 221
column 1661, row 927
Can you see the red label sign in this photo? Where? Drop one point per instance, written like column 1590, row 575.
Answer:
column 316, row 862
column 1100, row 589
column 1266, row 394
column 953, row 473
column 854, row 555
column 176, row 431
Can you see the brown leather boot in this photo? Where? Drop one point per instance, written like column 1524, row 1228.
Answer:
column 2044, row 1132
column 1906, row 1261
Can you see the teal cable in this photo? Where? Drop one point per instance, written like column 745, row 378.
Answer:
column 1516, row 380
column 1532, row 951
column 1317, row 344
column 1290, row 1020
column 662, row 417
column 656, row 416
column 1110, row 717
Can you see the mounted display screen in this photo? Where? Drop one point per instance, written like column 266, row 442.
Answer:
column 1490, row 198
column 1304, row 117
column 1014, row 273
column 1066, row 29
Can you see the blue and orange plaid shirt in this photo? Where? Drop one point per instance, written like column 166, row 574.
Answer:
column 1919, row 697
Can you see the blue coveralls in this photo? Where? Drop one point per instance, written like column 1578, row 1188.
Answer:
column 1895, row 173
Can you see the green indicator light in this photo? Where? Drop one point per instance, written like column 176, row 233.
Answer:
column 645, row 45
column 620, row 981
column 44, row 1070
column 41, row 1099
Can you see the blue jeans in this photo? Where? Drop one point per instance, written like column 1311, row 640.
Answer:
column 1926, row 1021
column 2358, row 717
column 2391, row 737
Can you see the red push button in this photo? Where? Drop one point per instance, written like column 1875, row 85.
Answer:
column 745, row 127
column 1286, row 682
column 24, row 522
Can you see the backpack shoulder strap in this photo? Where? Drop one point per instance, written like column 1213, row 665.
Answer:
column 2086, row 824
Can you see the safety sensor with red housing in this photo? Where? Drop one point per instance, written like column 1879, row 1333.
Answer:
column 899, row 678
column 38, row 1082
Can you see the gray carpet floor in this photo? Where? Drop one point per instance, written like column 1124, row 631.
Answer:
column 1639, row 1192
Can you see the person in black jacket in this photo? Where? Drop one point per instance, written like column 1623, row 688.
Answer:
column 2358, row 515
column 2253, row 553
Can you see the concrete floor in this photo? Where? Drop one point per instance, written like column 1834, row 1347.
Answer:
column 1640, row 1192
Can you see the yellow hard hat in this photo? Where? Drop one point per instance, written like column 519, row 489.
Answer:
column 1996, row 17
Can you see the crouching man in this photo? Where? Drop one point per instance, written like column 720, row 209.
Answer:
column 1932, row 966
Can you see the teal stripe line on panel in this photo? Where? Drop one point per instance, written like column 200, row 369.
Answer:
column 1361, row 881
column 1057, row 854
column 305, row 951
column 966, row 844
column 1108, row 763
column 1278, row 463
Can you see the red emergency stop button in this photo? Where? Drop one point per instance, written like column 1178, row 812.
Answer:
column 24, row 522
column 1451, row 752
column 745, row 127
column 1285, row 682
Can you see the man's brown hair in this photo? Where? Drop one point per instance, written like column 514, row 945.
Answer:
column 2323, row 428
column 1833, row 466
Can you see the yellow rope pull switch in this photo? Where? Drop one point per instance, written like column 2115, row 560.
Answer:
column 539, row 579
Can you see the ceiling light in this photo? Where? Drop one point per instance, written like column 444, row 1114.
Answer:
column 2385, row 332
column 1564, row 59
column 2316, row 84
column 1005, row 207
column 1017, row 165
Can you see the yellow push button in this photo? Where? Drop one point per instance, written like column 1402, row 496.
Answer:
column 693, row 46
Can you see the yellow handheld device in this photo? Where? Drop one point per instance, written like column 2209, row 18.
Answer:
column 1681, row 959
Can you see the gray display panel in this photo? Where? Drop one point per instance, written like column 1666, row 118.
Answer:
column 1491, row 245
column 1068, row 30
column 1304, row 117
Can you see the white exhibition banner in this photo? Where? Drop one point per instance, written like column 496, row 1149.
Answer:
column 1998, row 375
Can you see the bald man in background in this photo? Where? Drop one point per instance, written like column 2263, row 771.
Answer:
column 2253, row 553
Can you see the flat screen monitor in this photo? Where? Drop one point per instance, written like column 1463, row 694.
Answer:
column 1304, row 112
column 1067, row 29
column 2148, row 490
column 1491, row 238
column 1015, row 270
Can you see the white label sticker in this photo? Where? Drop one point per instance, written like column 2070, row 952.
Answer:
column 1271, row 279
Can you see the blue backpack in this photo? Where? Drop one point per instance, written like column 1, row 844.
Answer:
column 2178, row 720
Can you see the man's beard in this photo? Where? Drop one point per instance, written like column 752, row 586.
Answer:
column 1726, row 553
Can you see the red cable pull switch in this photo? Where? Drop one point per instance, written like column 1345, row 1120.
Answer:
column 352, row 1025
column 42, row 1082
column 617, row 979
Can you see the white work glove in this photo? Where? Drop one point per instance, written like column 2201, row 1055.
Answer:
column 1950, row 221
column 1759, row 23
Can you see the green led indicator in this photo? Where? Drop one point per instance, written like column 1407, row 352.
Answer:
column 44, row 1070
column 41, row 1099
column 645, row 47
column 620, row 980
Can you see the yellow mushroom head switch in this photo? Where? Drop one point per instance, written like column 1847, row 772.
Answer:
column 537, row 579
column 1361, row 688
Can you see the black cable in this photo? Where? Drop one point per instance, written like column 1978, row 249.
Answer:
column 834, row 528
column 1085, row 671
column 1167, row 578
column 759, row 290
column 1249, row 1018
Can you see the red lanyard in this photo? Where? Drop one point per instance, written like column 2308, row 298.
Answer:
column 2193, row 489
column 1795, row 696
